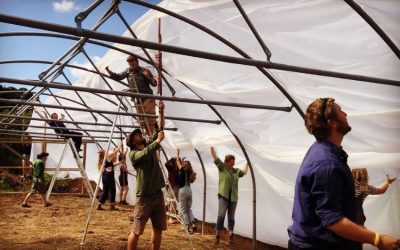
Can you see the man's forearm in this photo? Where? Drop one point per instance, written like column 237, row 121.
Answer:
column 349, row 230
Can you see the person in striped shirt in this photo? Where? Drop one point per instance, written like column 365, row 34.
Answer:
column 363, row 189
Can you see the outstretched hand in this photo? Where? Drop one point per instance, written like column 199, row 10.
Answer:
column 160, row 136
column 390, row 180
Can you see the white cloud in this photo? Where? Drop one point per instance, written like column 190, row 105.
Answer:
column 77, row 73
column 65, row 6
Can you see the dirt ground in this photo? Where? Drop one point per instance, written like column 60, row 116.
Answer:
column 61, row 227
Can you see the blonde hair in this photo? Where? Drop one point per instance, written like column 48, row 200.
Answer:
column 361, row 176
column 101, row 154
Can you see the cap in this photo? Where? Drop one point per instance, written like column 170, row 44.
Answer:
column 130, row 58
column 43, row 154
column 129, row 138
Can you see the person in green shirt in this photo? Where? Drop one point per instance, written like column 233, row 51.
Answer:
column 150, row 202
column 38, row 185
column 227, row 192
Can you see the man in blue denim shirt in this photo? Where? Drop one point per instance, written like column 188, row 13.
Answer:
column 324, row 203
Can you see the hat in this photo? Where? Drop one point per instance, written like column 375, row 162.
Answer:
column 129, row 138
column 43, row 154
column 130, row 58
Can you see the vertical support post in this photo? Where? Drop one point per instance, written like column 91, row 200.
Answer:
column 99, row 178
column 53, row 180
column 84, row 160
column 204, row 191
column 159, row 61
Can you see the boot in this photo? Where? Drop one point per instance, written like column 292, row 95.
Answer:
column 99, row 207
column 230, row 237
column 217, row 236
column 113, row 208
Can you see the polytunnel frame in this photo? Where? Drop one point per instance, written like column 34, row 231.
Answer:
column 80, row 18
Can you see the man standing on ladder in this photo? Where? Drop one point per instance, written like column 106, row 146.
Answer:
column 139, row 81
column 149, row 183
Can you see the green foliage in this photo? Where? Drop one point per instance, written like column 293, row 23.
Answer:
column 60, row 186
column 5, row 183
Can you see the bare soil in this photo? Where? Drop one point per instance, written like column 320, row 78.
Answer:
column 61, row 227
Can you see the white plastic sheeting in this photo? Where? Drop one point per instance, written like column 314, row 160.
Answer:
column 321, row 34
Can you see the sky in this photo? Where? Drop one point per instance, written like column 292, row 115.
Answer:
column 49, row 49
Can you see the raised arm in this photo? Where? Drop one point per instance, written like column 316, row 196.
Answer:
column 161, row 116
column 178, row 160
column 146, row 73
column 245, row 168
column 384, row 187
column 213, row 153
column 137, row 156
column 114, row 152
column 116, row 76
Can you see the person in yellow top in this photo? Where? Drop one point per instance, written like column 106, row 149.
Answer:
column 227, row 192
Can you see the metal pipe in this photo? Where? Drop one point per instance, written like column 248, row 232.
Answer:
column 72, row 129
column 99, row 178
column 80, row 122
column 227, row 43
column 18, row 132
column 357, row 8
column 118, row 12
column 253, row 29
column 144, row 96
column 39, row 139
column 184, row 51
column 111, row 112
column 83, row 14
column 204, row 191
column 77, row 94
column 81, row 41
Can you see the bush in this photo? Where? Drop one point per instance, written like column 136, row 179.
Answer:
column 5, row 183
column 60, row 186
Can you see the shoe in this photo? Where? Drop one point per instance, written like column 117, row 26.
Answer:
column 48, row 204
column 113, row 208
column 230, row 238
column 125, row 203
column 190, row 230
column 25, row 205
column 216, row 241
column 99, row 207
column 194, row 227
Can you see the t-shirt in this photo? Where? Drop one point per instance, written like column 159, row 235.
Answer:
column 38, row 169
column 324, row 195
column 56, row 125
column 361, row 192
column 228, row 186
column 149, row 179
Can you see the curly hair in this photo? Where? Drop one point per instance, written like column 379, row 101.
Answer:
column 317, row 115
column 361, row 176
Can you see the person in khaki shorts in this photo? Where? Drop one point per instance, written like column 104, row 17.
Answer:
column 140, row 81
column 150, row 202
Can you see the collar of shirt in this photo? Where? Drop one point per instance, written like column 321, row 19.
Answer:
column 338, row 151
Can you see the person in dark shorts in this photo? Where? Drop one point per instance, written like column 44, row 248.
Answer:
column 150, row 202
column 38, row 185
column 108, row 177
column 123, row 181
